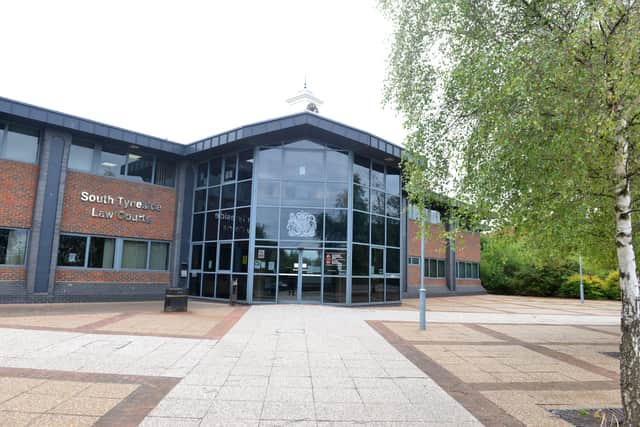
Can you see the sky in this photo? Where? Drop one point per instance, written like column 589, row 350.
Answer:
column 185, row 70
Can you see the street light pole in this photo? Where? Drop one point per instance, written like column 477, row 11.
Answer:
column 423, row 291
column 581, row 285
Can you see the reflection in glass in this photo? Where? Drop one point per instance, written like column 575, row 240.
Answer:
column 226, row 224
column 265, row 260
column 242, row 223
column 80, row 157
column 393, row 260
column 311, row 286
column 101, row 252
column 377, row 176
column 223, row 287
column 287, row 288
column 360, row 260
column 201, row 175
column 288, row 261
column 21, row 147
column 311, row 262
column 377, row 290
column 361, row 170
column 393, row 180
column 213, row 200
column 199, row 200
column 228, row 195
column 377, row 229
column 377, row 202
column 241, row 281
column 215, row 171
column 361, row 198
column 393, row 232
column 377, row 261
column 393, row 290
column 245, row 165
column 337, row 195
column 208, row 285
column 13, row 244
column 264, row 288
column 244, row 194
column 270, row 163
column 335, row 290
column 140, row 167
column 229, row 168
column 211, row 232
column 209, row 257
column 360, row 290
column 267, row 223
column 112, row 164
column 360, row 227
column 224, row 258
column 297, row 193
column 337, row 165
column 268, row 192
column 303, row 164
column 335, row 225
column 393, row 206
column 71, row 252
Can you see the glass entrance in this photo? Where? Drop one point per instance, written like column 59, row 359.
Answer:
column 300, row 276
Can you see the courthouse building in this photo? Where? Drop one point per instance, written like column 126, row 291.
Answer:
column 299, row 209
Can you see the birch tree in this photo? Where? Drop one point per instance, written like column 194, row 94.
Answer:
column 528, row 111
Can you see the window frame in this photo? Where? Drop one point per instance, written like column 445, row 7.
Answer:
column 26, row 246
column 4, row 134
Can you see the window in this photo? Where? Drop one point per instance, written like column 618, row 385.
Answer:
column 414, row 260
column 18, row 144
column 134, row 254
column 13, row 244
column 159, row 256
column 112, row 164
column 467, row 270
column 434, row 217
column 81, row 157
column 101, row 252
column 140, row 167
column 412, row 212
column 434, row 268
column 165, row 173
column 72, row 251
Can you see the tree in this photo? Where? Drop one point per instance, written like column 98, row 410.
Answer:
column 528, row 111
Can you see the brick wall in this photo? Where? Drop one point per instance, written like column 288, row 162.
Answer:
column 12, row 274
column 77, row 215
column 17, row 193
column 435, row 244
column 468, row 246
column 111, row 276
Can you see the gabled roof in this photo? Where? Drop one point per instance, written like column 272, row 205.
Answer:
column 307, row 123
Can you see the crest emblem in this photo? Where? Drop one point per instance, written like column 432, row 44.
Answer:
column 301, row 224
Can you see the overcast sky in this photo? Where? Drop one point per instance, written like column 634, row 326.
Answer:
column 185, row 70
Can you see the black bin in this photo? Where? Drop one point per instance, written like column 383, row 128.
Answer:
column 175, row 299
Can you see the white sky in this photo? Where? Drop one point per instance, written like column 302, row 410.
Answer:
column 185, row 70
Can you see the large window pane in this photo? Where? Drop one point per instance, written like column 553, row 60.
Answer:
column 267, row 223
column 266, row 260
column 270, row 163
column 336, row 225
column 215, row 171
column 303, row 164
column 268, row 192
column 21, row 147
column 311, row 262
column 361, row 227
column 335, row 290
column 360, row 260
column 393, row 232
column 229, row 168
column 377, row 202
column 377, row 176
column 71, row 251
column 196, row 257
column 140, row 167
column 226, row 224
column 101, row 252
column 165, row 173
column 361, row 198
column 335, row 262
column 288, row 261
column 337, row 195
column 264, row 288
column 242, row 223
column 359, row 290
column 393, row 180
column 159, row 256
column 208, row 285
column 223, row 287
column 361, row 170
column 210, row 251
column 240, row 257
column 304, row 224
column 212, row 226
column 393, row 206
column 377, row 261
column 245, row 165
column 198, row 227
column 393, row 289
column 296, row 193
column 337, row 166
column 134, row 254
column 377, row 290
column 12, row 246
column 241, row 281
column 194, row 284
column 224, row 258
column 440, row 268
column 393, row 260
column 213, row 198
column 112, row 164
column 228, row 195
column 377, row 229
column 81, row 157
column 243, row 197
column 200, row 199
column 201, row 175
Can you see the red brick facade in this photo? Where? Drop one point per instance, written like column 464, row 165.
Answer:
column 70, row 275
column 17, row 193
column 12, row 274
column 77, row 214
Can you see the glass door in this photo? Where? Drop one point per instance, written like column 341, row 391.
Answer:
column 300, row 278
column 288, row 279
column 310, row 275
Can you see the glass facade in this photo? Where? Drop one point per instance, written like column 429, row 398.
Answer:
column 295, row 222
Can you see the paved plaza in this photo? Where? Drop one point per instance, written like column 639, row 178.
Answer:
column 483, row 360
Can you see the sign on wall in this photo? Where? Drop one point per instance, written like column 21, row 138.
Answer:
column 119, row 207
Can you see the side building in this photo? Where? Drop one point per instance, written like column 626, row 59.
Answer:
column 299, row 209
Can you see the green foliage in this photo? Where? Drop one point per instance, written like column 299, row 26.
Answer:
column 511, row 267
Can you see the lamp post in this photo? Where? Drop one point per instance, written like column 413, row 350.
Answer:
column 423, row 291
column 581, row 285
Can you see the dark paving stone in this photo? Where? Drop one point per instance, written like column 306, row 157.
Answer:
column 590, row 417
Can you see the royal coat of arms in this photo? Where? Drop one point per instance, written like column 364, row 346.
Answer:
column 301, row 224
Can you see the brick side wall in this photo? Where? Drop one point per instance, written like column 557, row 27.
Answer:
column 413, row 273
column 468, row 246
column 435, row 245
column 111, row 276
column 17, row 193
column 76, row 214
column 12, row 274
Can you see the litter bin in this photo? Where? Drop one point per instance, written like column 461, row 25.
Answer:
column 175, row 299
column 234, row 292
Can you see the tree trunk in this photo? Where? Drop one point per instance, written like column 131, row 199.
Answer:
column 630, row 293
